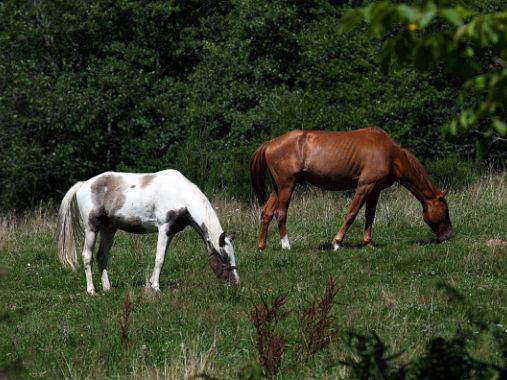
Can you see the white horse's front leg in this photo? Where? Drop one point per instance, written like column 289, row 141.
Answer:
column 90, row 238
column 162, row 243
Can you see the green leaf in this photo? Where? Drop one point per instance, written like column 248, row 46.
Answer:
column 349, row 21
column 427, row 17
column 490, row 37
column 463, row 120
column 500, row 127
column 407, row 13
column 383, row 17
column 386, row 56
column 452, row 127
column 452, row 16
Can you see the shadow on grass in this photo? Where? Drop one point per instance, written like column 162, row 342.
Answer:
column 166, row 284
column 425, row 242
column 328, row 246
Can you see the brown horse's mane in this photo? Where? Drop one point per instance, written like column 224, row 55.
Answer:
column 418, row 174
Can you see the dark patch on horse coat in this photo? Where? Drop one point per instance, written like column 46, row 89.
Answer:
column 177, row 220
column 108, row 192
column 133, row 225
column 108, row 196
column 146, row 180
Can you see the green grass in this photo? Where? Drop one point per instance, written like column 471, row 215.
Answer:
column 50, row 327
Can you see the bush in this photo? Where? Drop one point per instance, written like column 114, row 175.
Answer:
column 453, row 172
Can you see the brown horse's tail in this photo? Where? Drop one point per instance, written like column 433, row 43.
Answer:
column 258, row 168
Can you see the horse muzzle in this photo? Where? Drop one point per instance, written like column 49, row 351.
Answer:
column 233, row 278
column 447, row 235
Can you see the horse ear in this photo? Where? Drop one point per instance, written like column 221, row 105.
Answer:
column 442, row 194
column 221, row 239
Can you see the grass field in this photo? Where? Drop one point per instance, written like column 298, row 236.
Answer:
column 51, row 328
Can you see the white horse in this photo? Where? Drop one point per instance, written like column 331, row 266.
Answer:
column 165, row 202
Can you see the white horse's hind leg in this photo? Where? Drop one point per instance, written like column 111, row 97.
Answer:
column 106, row 242
column 90, row 238
column 162, row 243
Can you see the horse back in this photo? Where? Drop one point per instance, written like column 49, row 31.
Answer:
column 334, row 160
column 130, row 201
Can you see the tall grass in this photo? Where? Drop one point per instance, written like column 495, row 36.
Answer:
column 197, row 326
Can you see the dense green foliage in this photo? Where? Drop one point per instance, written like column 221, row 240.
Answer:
column 101, row 85
column 433, row 34
column 401, row 289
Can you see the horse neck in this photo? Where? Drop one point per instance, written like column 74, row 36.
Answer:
column 411, row 174
column 205, row 219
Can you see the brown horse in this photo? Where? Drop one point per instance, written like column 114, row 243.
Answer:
column 365, row 159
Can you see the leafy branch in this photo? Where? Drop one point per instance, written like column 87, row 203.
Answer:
column 436, row 35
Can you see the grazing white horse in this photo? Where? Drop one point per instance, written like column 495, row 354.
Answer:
column 165, row 202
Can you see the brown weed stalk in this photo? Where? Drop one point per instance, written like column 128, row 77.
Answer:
column 270, row 343
column 124, row 320
column 316, row 323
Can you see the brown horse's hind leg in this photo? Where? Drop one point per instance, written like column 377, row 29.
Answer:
column 362, row 193
column 284, row 196
column 371, row 205
column 266, row 215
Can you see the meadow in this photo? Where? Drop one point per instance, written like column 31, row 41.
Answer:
column 407, row 289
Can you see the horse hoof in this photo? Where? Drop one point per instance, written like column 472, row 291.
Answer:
column 285, row 242
column 336, row 246
column 368, row 244
column 91, row 292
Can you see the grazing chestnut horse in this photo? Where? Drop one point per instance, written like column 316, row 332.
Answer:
column 165, row 202
column 365, row 159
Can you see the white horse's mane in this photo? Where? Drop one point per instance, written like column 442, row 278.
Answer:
column 213, row 225
column 210, row 219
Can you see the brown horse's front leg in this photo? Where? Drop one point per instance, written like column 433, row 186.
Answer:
column 371, row 205
column 266, row 216
column 362, row 193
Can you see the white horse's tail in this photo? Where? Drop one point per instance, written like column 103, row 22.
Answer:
column 69, row 224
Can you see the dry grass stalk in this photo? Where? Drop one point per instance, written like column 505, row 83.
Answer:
column 270, row 343
column 316, row 323
column 124, row 320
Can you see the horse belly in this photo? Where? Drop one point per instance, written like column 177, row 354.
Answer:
column 134, row 225
column 134, row 217
column 331, row 181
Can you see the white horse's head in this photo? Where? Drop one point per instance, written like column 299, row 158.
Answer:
column 223, row 263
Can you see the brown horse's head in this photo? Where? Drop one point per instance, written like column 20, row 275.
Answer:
column 223, row 263
column 436, row 215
